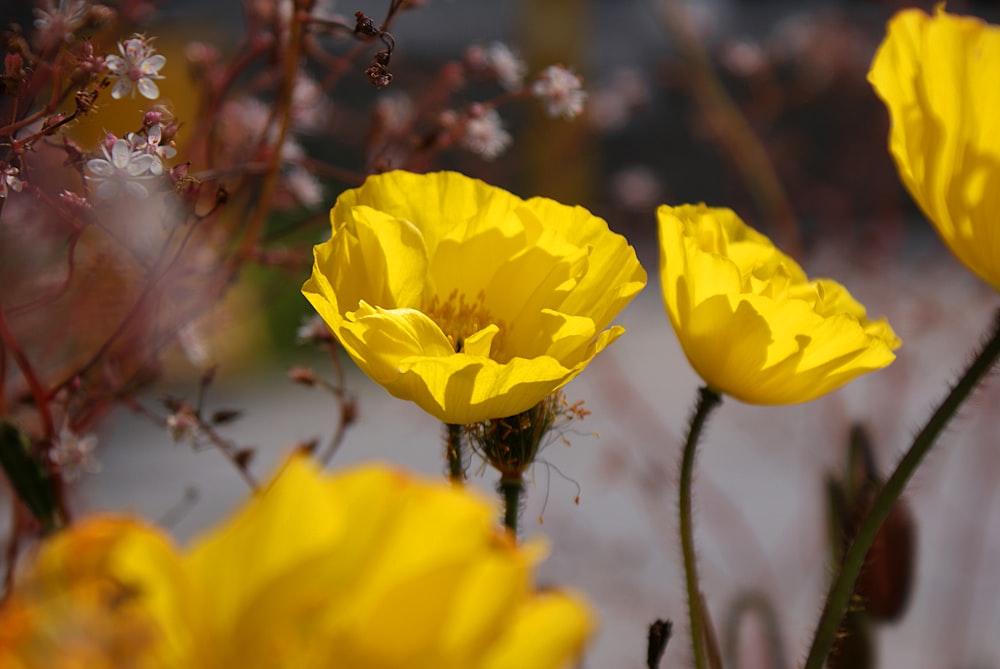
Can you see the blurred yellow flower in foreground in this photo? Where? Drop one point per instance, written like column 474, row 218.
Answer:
column 938, row 77
column 368, row 569
column 466, row 299
column 749, row 320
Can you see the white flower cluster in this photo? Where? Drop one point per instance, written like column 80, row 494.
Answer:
column 485, row 134
column 509, row 69
column 129, row 164
column 136, row 68
column 63, row 19
column 561, row 91
column 74, row 455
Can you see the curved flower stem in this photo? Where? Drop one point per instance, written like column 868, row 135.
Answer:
column 511, row 485
column 708, row 399
column 453, row 453
column 843, row 585
column 754, row 604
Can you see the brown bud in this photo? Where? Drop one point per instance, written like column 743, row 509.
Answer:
column 243, row 457
column 886, row 579
column 659, row 636
column 303, row 375
column 348, row 411
column 224, row 416
column 379, row 75
column 85, row 100
column 363, row 25
column 173, row 404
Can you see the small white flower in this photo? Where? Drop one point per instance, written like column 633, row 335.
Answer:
column 393, row 109
column 184, row 425
column 305, row 187
column 150, row 145
column 74, row 455
column 509, row 69
column 309, row 105
column 10, row 181
column 561, row 91
column 485, row 135
column 135, row 69
column 313, row 329
column 121, row 168
column 192, row 341
column 161, row 151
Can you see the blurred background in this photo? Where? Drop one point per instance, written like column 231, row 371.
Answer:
column 763, row 107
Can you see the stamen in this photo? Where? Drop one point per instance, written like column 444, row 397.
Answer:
column 459, row 319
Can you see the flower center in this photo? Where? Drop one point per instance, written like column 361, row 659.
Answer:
column 459, row 319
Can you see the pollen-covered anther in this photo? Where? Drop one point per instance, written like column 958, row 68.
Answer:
column 459, row 319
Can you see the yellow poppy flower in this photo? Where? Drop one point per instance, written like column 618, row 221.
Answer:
column 466, row 299
column 749, row 320
column 369, row 569
column 938, row 77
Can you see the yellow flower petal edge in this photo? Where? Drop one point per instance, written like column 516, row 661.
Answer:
column 369, row 568
column 108, row 593
column 750, row 321
column 466, row 299
column 937, row 76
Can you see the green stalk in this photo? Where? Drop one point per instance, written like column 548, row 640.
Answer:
column 707, row 400
column 842, row 587
column 453, row 453
column 511, row 486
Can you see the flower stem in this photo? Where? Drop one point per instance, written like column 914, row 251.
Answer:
column 453, row 453
column 843, row 585
column 707, row 400
column 283, row 108
column 511, row 486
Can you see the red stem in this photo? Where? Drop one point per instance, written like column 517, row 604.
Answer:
column 37, row 390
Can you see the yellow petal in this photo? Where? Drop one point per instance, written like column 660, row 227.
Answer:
column 442, row 205
column 231, row 565
column 382, row 340
column 377, row 258
column 464, row 389
column 614, row 275
column 530, row 282
column 937, row 76
column 550, row 632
